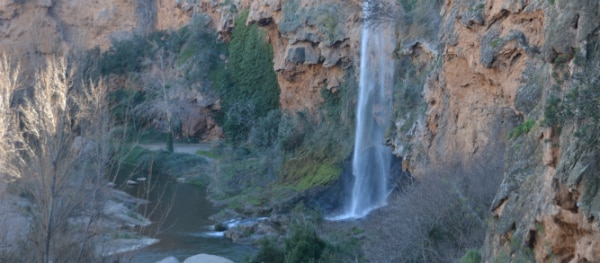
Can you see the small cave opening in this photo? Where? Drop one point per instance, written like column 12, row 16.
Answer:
column 575, row 22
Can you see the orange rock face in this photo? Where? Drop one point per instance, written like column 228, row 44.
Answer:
column 306, row 61
column 473, row 91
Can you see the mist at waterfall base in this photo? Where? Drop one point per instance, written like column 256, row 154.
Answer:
column 371, row 158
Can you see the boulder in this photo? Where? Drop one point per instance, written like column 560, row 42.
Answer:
column 206, row 258
column 302, row 53
column 170, row 259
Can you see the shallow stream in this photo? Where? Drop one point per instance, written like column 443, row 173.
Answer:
column 185, row 230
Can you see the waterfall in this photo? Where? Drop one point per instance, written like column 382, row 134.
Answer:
column 371, row 158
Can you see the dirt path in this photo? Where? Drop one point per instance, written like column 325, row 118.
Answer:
column 189, row 148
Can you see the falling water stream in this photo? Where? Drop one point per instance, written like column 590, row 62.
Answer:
column 371, row 158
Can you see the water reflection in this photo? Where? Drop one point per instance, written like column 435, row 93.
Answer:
column 185, row 231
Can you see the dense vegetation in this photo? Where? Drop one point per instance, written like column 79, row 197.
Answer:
column 305, row 244
column 578, row 103
column 246, row 84
column 162, row 71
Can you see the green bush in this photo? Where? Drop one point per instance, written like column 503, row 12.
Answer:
column 553, row 111
column 472, row 256
column 562, row 59
column 524, row 128
column 332, row 102
column 247, row 85
column 408, row 5
column 304, row 244
column 200, row 52
column 269, row 253
column 125, row 56
column 122, row 101
column 264, row 133
column 251, row 61
column 291, row 131
column 128, row 55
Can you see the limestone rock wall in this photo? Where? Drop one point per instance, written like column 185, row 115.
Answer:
column 490, row 68
column 313, row 42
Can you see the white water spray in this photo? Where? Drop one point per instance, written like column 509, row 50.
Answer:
column 371, row 158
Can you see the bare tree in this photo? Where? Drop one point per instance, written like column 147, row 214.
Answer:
column 167, row 98
column 9, row 79
column 56, row 145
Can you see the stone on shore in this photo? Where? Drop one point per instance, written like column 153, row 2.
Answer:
column 205, row 258
column 170, row 259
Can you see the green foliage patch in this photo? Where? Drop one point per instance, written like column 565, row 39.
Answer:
column 305, row 244
column 247, row 84
column 408, row 5
column 265, row 133
column 579, row 103
column 125, row 56
column 312, row 175
column 209, row 154
column 165, row 163
column 472, row 256
column 325, row 144
column 524, row 128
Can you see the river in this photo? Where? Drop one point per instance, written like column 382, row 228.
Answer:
column 180, row 213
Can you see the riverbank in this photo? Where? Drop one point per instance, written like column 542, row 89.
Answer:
column 114, row 231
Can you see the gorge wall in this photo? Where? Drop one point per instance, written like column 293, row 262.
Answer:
column 473, row 79
column 491, row 71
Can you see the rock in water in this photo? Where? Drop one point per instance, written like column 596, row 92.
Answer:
column 170, row 259
column 205, row 258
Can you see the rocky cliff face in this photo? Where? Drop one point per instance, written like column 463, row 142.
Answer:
column 499, row 64
column 473, row 78
column 313, row 42
column 50, row 26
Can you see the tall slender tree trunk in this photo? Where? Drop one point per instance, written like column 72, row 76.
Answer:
column 50, row 219
column 170, row 146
